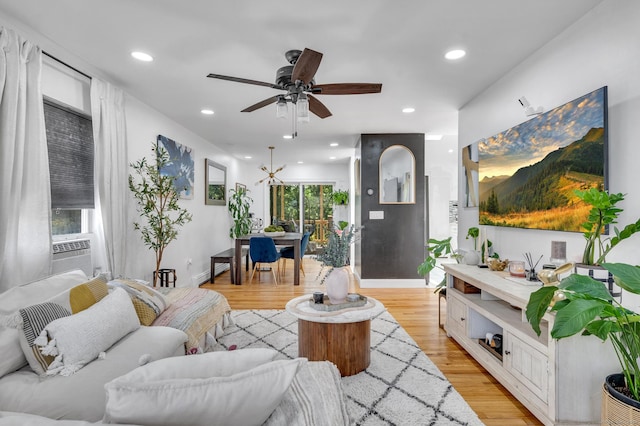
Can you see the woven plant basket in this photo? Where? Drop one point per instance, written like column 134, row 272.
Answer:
column 616, row 412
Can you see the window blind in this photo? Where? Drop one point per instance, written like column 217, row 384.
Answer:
column 70, row 147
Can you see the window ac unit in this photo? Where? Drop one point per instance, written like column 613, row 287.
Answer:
column 73, row 254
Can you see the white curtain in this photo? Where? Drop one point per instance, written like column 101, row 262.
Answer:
column 25, row 199
column 111, row 177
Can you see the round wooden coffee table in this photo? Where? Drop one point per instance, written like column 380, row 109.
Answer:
column 342, row 337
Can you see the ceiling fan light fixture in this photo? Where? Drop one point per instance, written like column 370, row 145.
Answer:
column 281, row 107
column 302, row 108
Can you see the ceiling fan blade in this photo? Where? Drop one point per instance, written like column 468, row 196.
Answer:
column 261, row 104
column 318, row 108
column 347, row 88
column 245, row 80
column 306, row 66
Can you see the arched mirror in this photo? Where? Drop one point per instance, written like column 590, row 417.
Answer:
column 397, row 173
column 215, row 181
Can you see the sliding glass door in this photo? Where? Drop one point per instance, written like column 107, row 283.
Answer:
column 309, row 204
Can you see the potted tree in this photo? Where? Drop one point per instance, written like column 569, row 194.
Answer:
column 239, row 203
column 157, row 203
column 582, row 305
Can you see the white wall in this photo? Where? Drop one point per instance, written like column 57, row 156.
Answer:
column 599, row 50
column 208, row 232
column 441, row 165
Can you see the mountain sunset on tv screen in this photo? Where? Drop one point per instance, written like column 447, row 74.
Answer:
column 528, row 174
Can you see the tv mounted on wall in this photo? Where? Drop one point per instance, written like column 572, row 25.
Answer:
column 528, row 174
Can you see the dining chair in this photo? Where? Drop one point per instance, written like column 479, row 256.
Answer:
column 287, row 252
column 263, row 250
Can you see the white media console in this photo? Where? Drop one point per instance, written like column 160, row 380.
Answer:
column 559, row 381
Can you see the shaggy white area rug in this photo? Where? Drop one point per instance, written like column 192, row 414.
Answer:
column 401, row 386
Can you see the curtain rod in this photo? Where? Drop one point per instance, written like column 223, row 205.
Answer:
column 66, row 65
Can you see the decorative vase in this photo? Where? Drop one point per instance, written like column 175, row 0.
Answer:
column 337, row 283
column 472, row 257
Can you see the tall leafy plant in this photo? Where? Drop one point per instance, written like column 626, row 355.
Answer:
column 603, row 212
column 239, row 203
column 583, row 305
column 157, row 203
column 437, row 249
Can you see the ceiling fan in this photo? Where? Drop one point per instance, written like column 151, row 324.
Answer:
column 271, row 174
column 298, row 83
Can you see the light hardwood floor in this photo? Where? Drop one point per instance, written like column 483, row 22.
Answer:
column 416, row 310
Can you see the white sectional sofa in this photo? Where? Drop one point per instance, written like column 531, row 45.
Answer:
column 138, row 363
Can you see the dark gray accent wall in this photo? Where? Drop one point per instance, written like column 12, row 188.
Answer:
column 392, row 247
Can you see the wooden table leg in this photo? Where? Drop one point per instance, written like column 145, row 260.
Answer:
column 296, row 263
column 238, row 265
column 347, row 345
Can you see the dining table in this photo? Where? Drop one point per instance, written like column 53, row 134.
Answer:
column 288, row 239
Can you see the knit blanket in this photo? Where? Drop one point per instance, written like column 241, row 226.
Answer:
column 202, row 314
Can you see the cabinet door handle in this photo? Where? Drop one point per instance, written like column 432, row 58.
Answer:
column 507, row 352
column 462, row 318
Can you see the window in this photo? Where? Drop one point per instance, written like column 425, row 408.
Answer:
column 70, row 147
column 313, row 200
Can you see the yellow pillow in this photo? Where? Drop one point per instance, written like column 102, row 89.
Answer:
column 36, row 317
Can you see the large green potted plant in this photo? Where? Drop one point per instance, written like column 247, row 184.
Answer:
column 604, row 212
column 157, row 203
column 584, row 306
column 437, row 249
column 239, row 203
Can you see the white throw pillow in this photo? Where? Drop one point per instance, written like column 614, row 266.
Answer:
column 78, row 339
column 12, row 356
column 231, row 388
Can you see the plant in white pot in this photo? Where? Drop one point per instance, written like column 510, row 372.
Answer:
column 157, row 204
column 584, row 306
column 604, row 212
column 336, row 256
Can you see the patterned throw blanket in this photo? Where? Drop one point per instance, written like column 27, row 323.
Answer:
column 195, row 311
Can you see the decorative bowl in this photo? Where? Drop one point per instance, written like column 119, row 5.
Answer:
column 498, row 265
column 274, row 234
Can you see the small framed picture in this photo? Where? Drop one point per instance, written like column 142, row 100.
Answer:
column 241, row 186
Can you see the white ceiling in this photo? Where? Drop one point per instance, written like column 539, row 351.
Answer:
column 397, row 43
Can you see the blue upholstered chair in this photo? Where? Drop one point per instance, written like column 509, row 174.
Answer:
column 263, row 250
column 287, row 252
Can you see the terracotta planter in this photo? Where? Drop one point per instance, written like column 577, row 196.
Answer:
column 337, row 283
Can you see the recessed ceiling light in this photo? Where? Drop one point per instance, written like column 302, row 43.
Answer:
column 332, row 158
column 433, row 137
column 141, row 56
column 455, row 54
column 207, row 111
column 300, row 162
column 248, row 157
column 334, row 144
column 408, row 110
column 287, row 137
